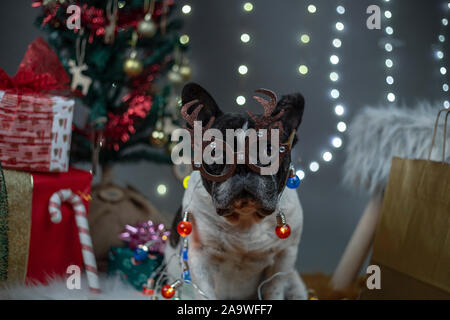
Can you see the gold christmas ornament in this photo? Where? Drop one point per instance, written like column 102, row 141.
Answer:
column 174, row 75
column 185, row 72
column 132, row 66
column 158, row 138
column 147, row 28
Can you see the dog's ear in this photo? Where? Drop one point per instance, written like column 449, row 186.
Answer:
column 193, row 91
column 293, row 106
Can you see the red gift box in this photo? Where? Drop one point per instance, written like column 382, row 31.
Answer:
column 47, row 248
column 35, row 121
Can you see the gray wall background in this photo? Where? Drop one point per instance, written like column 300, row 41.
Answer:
column 331, row 209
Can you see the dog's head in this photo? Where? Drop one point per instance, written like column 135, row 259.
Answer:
column 246, row 192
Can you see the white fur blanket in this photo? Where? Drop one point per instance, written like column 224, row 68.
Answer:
column 377, row 134
column 113, row 288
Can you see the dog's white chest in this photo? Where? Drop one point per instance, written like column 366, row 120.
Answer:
column 238, row 262
column 236, row 259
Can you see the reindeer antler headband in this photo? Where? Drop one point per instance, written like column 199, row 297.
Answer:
column 267, row 118
column 261, row 122
column 192, row 117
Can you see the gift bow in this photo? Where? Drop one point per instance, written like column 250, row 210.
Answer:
column 40, row 71
column 146, row 233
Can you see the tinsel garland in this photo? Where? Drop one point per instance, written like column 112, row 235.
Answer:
column 4, row 245
column 94, row 18
column 139, row 139
column 120, row 126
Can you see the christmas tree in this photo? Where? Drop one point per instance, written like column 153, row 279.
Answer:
column 125, row 58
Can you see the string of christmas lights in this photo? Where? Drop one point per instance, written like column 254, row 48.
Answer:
column 174, row 286
column 438, row 53
column 389, row 48
column 161, row 188
column 334, row 76
column 186, row 10
column 336, row 141
column 441, row 56
column 245, row 39
column 169, row 286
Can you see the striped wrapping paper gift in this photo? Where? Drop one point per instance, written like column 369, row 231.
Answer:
column 35, row 132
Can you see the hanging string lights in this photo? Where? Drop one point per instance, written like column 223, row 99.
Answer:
column 334, row 92
column 439, row 53
column 336, row 141
column 186, row 10
column 389, row 49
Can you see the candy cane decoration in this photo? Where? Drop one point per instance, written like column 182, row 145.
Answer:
column 54, row 208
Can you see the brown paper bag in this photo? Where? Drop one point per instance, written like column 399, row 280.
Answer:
column 412, row 240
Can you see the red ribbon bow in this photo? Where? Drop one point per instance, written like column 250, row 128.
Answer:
column 40, row 71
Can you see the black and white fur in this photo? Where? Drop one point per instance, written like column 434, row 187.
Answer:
column 233, row 246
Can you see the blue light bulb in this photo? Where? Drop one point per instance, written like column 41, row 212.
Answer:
column 293, row 182
column 140, row 254
column 185, row 254
column 187, row 276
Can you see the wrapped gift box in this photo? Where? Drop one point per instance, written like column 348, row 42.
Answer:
column 37, row 248
column 35, row 122
column 35, row 132
column 120, row 261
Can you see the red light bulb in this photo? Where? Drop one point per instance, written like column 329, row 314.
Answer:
column 184, row 228
column 283, row 232
column 167, row 291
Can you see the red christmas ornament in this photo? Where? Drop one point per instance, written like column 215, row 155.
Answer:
column 167, row 291
column 184, row 228
column 283, row 232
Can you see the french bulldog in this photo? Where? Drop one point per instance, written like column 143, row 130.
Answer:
column 233, row 247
